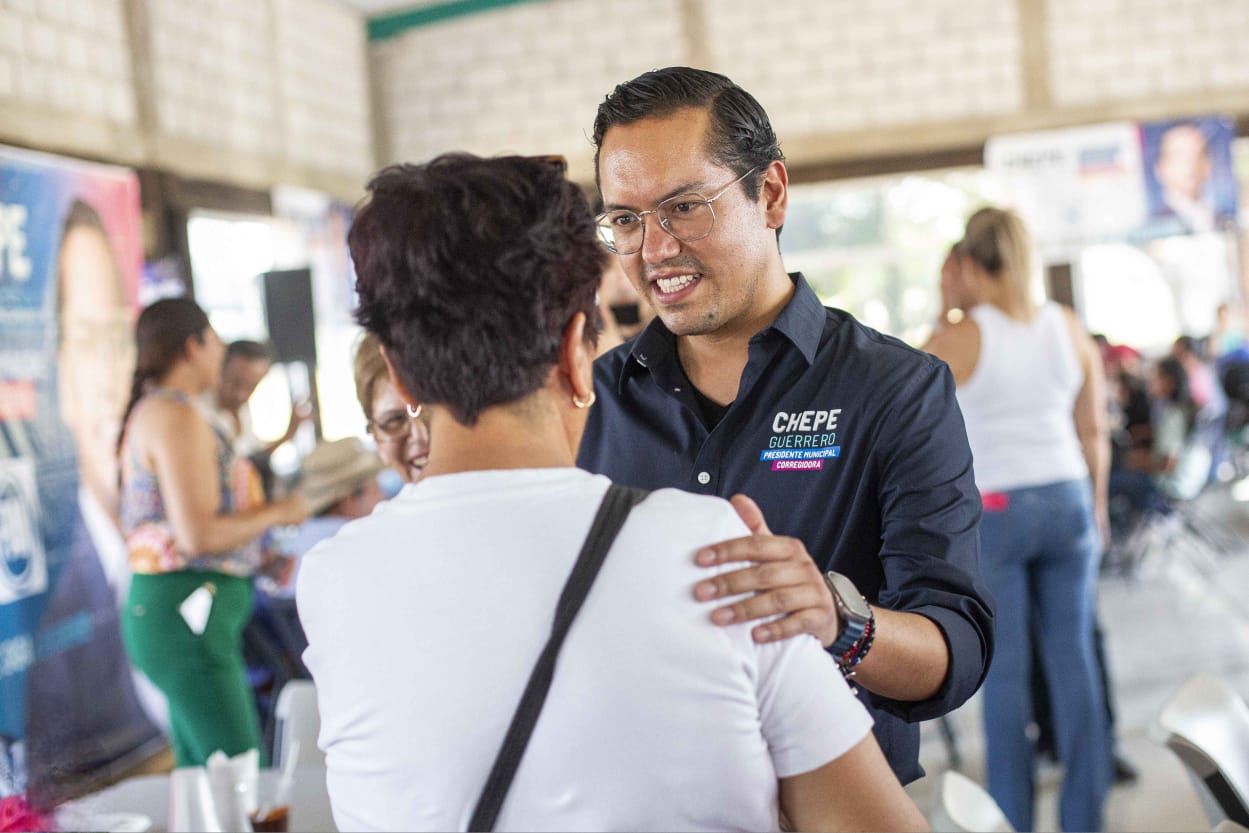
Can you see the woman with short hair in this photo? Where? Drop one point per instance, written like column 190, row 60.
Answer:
column 424, row 620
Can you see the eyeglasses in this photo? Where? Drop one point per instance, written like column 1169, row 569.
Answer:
column 393, row 426
column 687, row 217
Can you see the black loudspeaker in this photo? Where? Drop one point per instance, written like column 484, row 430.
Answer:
column 289, row 315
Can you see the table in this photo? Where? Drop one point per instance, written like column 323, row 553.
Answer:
column 149, row 795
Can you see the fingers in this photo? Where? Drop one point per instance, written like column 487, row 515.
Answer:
column 759, row 547
column 807, row 609
column 817, row 623
column 772, row 575
column 750, row 514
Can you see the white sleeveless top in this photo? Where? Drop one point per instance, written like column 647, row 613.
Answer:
column 1019, row 401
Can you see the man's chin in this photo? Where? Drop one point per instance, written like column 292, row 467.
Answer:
column 687, row 323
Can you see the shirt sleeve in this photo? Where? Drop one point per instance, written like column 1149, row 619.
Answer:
column 930, row 550
column 808, row 714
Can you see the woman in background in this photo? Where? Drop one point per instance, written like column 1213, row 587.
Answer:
column 402, row 435
column 1030, row 384
column 192, row 516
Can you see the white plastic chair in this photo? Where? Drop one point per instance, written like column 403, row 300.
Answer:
column 1229, row 826
column 1206, row 724
column 298, row 721
column 963, row 806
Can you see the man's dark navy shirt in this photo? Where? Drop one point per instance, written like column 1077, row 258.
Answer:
column 848, row 440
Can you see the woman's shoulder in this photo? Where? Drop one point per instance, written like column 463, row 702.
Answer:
column 685, row 519
column 168, row 417
column 673, row 500
column 958, row 345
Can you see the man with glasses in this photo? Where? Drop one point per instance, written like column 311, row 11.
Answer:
column 850, row 443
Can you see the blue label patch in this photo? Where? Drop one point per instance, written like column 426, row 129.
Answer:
column 801, row 453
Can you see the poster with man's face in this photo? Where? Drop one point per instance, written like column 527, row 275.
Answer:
column 1189, row 181
column 70, row 257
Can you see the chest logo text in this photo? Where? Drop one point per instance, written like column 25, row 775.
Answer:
column 802, row 440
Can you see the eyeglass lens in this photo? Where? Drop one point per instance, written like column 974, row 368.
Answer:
column 392, row 425
column 686, row 217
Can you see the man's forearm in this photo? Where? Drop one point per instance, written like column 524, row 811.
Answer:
column 908, row 660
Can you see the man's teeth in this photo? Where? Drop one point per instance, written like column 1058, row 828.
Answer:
column 675, row 284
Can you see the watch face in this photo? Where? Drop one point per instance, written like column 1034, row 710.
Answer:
column 850, row 595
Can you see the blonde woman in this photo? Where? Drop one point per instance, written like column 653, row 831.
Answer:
column 1031, row 388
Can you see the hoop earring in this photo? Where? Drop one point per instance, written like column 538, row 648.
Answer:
column 586, row 402
column 413, row 413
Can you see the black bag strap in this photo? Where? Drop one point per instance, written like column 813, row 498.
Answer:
column 611, row 516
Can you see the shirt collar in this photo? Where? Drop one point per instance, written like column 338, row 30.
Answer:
column 801, row 321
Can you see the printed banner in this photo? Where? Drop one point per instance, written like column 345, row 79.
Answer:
column 70, row 258
column 1075, row 185
column 1188, row 176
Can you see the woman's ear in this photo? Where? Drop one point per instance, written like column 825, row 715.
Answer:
column 576, row 358
column 407, row 398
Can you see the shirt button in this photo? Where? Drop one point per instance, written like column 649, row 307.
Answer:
column 704, row 478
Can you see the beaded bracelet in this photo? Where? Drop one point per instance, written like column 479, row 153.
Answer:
column 855, row 653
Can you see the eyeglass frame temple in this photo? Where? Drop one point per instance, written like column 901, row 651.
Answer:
column 663, row 224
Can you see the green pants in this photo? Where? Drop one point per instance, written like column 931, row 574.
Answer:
column 211, row 706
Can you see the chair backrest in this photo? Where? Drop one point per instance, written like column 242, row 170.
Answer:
column 297, row 721
column 1229, row 826
column 963, row 806
column 1206, row 724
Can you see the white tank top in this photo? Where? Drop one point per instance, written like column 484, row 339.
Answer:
column 1019, row 401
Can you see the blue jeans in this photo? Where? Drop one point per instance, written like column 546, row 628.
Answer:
column 1039, row 557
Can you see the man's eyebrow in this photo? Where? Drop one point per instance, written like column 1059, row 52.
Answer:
column 684, row 188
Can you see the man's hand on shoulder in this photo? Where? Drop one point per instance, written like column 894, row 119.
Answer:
column 783, row 578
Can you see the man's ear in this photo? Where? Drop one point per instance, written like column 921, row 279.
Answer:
column 407, row 398
column 576, row 358
column 774, row 191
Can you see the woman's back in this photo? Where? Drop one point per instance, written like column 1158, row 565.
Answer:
column 145, row 517
column 432, row 612
column 1018, row 403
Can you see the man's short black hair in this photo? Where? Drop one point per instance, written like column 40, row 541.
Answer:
column 469, row 269
column 251, row 351
column 740, row 136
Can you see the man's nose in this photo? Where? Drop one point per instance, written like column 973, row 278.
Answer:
column 658, row 244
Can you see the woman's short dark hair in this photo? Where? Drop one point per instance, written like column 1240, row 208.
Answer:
column 740, row 136
column 469, row 269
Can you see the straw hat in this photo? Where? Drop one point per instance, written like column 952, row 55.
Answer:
column 335, row 469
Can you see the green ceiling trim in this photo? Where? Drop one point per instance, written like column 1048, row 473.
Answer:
column 390, row 25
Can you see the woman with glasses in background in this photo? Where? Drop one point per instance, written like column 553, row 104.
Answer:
column 402, row 435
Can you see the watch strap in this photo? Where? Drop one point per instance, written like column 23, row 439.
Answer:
column 853, row 626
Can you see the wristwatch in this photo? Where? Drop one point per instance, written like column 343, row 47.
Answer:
column 856, row 614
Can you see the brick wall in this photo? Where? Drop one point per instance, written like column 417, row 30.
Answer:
column 525, row 79
column 248, row 92
column 828, row 67
column 214, row 79
column 258, row 92
column 71, row 57
column 842, row 80
column 1124, row 49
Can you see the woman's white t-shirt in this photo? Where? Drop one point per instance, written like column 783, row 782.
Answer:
column 425, row 619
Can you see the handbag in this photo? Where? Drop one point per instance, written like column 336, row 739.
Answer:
column 611, row 516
